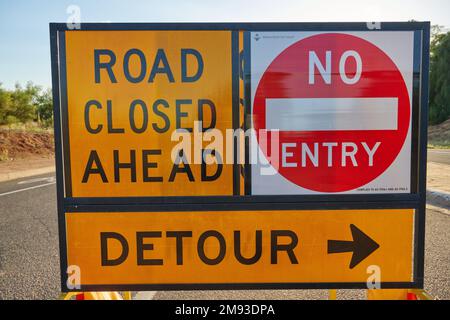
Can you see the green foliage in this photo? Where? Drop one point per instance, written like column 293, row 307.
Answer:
column 23, row 105
column 44, row 108
column 23, row 102
column 10, row 120
column 439, row 77
column 4, row 104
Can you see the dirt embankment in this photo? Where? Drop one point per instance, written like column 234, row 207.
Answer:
column 439, row 135
column 15, row 144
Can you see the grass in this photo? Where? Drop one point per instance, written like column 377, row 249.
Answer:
column 32, row 127
column 438, row 146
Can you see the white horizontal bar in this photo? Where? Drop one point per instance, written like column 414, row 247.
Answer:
column 323, row 114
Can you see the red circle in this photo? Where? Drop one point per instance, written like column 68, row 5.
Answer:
column 287, row 77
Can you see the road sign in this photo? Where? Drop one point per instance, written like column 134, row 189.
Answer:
column 240, row 247
column 127, row 92
column 341, row 104
column 343, row 207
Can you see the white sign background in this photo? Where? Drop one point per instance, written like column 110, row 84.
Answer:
column 398, row 45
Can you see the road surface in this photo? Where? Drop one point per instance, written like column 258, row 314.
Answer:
column 439, row 155
column 29, row 254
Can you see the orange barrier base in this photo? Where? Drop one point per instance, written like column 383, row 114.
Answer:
column 97, row 296
column 398, row 294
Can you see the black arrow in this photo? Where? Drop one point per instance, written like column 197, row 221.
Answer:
column 361, row 246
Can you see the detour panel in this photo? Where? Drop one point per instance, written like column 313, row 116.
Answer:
column 241, row 247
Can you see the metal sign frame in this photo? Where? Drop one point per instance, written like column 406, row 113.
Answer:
column 413, row 200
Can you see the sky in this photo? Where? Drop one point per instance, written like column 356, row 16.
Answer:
column 24, row 31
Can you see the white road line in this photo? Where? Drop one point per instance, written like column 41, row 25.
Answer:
column 145, row 295
column 25, row 189
column 47, row 179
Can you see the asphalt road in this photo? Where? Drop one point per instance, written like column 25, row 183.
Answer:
column 29, row 255
column 439, row 155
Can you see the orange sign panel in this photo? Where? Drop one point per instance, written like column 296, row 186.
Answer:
column 222, row 247
column 128, row 93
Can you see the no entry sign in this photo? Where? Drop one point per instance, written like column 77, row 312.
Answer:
column 341, row 106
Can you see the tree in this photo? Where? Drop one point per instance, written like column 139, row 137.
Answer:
column 23, row 102
column 440, row 78
column 4, row 104
column 44, row 108
column 23, row 105
column 436, row 34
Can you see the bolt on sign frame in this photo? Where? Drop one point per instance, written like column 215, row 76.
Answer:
column 80, row 207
